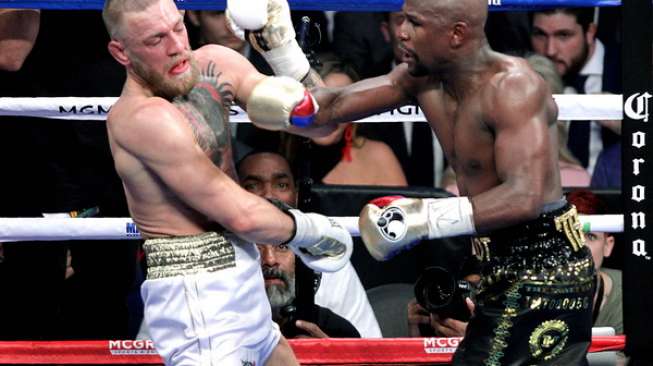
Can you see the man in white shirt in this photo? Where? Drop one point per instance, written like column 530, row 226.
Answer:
column 269, row 175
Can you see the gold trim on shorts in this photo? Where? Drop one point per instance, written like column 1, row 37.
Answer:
column 569, row 224
column 187, row 255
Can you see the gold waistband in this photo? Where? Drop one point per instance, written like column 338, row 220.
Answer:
column 186, row 255
column 564, row 221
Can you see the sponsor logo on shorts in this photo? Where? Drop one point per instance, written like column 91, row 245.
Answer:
column 548, row 339
column 132, row 347
column 248, row 363
column 441, row 345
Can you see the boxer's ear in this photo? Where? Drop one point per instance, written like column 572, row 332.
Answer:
column 117, row 50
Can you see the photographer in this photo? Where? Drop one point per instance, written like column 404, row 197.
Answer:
column 442, row 310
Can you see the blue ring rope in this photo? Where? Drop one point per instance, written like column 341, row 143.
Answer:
column 343, row 5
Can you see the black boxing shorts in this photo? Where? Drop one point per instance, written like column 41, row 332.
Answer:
column 534, row 305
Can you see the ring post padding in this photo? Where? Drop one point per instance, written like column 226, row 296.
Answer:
column 342, row 5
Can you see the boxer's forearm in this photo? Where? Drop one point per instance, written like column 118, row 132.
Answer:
column 359, row 100
column 18, row 32
column 312, row 79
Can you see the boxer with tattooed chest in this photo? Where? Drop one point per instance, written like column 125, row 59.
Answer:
column 204, row 296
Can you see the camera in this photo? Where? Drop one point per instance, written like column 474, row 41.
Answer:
column 439, row 292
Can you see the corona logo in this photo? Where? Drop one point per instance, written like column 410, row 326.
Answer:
column 639, row 248
column 636, row 106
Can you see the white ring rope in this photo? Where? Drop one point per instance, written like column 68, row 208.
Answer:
column 56, row 228
column 571, row 107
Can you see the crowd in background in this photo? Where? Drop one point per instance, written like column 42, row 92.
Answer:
column 89, row 290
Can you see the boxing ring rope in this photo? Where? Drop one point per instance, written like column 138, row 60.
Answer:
column 332, row 351
column 571, row 107
column 56, row 228
column 342, row 5
column 308, row 351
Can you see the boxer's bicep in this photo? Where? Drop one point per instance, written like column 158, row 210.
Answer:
column 523, row 156
column 522, row 140
column 234, row 68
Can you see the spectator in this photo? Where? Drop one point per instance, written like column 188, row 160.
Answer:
column 607, row 173
column 278, row 265
column 422, row 323
column 567, row 36
column 58, row 173
column 269, row 175
column 346, row 157
column 211, row 27
column 608, row 297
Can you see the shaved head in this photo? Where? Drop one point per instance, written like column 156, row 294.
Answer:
column 471, row 12
column 113, row 12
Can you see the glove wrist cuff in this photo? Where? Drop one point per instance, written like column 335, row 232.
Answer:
column 304, row 234
column 449, row 217
column 288, row 60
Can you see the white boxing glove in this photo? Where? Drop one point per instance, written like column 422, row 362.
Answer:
column 247, row 14
column 273, row 37
column 389, row 225
column 321, row 243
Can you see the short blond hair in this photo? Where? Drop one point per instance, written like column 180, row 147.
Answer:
column 114, row 10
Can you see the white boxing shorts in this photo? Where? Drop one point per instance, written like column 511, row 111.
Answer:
column 205, row 301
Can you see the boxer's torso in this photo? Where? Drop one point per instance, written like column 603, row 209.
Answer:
column 156, row 210
column 464, row 127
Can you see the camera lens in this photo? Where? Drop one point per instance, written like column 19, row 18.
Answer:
column 435, row 288
column 438, row 292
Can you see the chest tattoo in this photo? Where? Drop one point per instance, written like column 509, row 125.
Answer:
column 207, row 109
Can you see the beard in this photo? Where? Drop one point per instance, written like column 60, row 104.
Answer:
column 418, row 70
column 167, row 87
column 576, row 63
column 279, row 295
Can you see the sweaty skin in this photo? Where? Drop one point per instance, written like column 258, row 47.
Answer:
column 493, row 115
